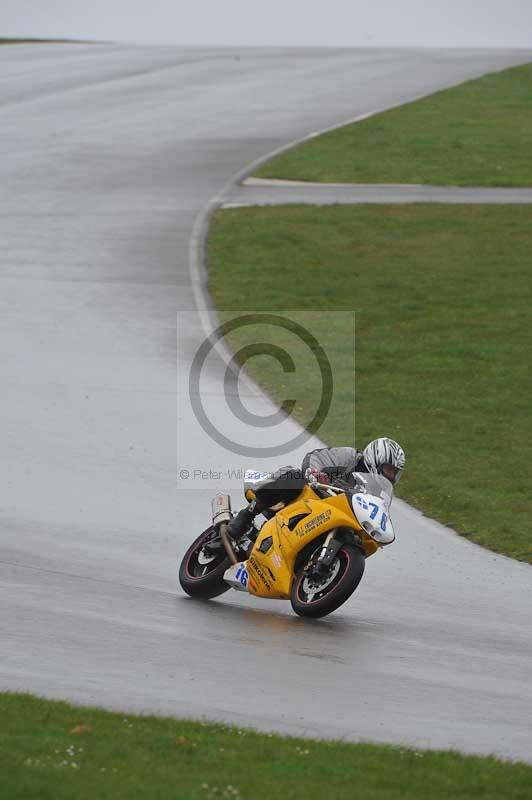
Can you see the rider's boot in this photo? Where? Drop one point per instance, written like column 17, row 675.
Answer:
column 242, row 522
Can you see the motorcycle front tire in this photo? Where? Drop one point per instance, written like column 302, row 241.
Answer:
column 351, row 562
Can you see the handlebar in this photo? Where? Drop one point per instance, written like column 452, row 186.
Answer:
column 327, row 488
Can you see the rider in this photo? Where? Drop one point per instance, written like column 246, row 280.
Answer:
column 335, row 464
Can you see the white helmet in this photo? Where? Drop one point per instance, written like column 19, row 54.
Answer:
column 385, row 457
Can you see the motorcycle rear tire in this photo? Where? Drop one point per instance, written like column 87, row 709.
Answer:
column 208, row 585
column 352, row 563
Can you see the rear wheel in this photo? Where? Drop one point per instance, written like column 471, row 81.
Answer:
column 202, row 569
column 317, row 594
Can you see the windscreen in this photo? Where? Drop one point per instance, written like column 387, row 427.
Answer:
column 378, row 485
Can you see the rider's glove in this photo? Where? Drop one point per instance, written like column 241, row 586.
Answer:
column 313, row 475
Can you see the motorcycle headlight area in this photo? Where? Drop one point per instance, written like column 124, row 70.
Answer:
column 373, row 515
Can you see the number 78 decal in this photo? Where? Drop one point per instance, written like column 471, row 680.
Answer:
column 365, row 504
column 384, row 518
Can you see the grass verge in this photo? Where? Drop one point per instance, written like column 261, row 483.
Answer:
column 53, row 750
column 442, row 296
column 476, row 134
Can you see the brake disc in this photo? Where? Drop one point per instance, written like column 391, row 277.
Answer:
column 313, row 584
column 204, row 558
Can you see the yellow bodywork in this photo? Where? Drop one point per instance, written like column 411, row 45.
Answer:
column 271, row 564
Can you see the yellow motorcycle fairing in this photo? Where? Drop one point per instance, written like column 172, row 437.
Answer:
column 271, row 563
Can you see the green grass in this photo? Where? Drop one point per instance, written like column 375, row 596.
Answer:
column 477, row 134
column 443, row 301
column 125, row 756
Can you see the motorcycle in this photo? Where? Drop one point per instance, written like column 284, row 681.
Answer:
column 311, row 549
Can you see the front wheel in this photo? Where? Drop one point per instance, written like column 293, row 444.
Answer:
column 202, row 570
column 317, row 595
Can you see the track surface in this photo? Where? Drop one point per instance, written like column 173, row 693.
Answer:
column 108, row 156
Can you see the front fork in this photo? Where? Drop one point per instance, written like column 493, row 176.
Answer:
column 329, row 549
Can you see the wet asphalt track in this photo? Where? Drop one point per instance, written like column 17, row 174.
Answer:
column 108, row 155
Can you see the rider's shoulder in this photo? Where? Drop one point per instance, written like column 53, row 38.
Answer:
column 344, row 451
